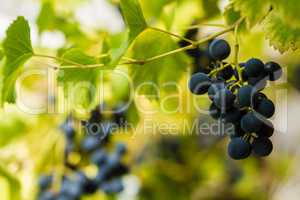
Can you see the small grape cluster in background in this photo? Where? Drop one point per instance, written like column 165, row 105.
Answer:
column 237, row 99
column 93, row 149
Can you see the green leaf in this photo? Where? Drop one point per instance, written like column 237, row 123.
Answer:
column 136, row 23
column 75, row 79
column 17, row 45
column 46, row 18
column 281, row 34
column 211, row 8
column 133, row 17
column 158, row 72
column 17, row 50
column 279, row 18
column 253, row 10
column 232, row 16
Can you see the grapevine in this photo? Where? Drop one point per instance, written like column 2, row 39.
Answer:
column 139, row 99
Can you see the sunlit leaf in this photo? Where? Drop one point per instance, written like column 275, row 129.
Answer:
column 78, row 81
column 46, row 18
column 17, row 50
column 17, row 45
column 159, row 72
column 282, row 35
column 253, row 10
column 134, row 18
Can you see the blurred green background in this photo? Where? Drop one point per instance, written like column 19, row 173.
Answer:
column 177, row 164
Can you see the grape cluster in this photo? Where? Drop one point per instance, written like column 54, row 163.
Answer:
column 93, row 150
column 237, row 99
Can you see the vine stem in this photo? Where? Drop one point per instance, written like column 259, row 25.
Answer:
column 219, row 69
column 191, row 46
column 70, row 62
column 236, row 53
column 172, row 34
column 204, row 24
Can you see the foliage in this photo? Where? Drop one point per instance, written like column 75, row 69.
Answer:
column 89, row 57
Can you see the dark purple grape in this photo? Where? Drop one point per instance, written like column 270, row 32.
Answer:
column 254, row 67
column 266, row 108
column 244, row 96
column 250, row 123
column 239, row 149
column 219, row 49
column 273, row 70
column 262, row 146
column 199, row 83
column 266, row 130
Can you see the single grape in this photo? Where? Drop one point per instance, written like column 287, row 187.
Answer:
column 239, row 149
column 266, row 130
column 199, row 83
column 250, row 122
column 257, row 98
column 262, row 146
column 45, row 182
column 219, row 49
column 99, row 157
column 274, row 70
column 244, row 96
column 224, row 99
column 71, row 188
column 90, row 143
column 266, row 108
column 254, row 67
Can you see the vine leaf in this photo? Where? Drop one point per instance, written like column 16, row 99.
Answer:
column 136, row 23
column 133, row 17
column 17, row 45
column 280, row 20
column 153, row 75
column 281, row 35
column 77, row 82
column 17, row 50
column 253, row 10
column 46, row 18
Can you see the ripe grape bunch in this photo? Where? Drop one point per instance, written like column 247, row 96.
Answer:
column 93, row 150
column 237, row 99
